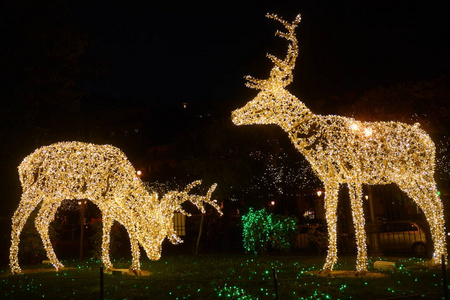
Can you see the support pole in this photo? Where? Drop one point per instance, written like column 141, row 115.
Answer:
column 275, row 283
column 199, row 235
column 101, row 284
column 444, row 277
column 373, row 228
column 82, row 208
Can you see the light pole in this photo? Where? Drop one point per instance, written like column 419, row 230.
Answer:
column 82, row 208
column 373, row 227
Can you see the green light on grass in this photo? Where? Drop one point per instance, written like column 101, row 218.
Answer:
column 233, row 292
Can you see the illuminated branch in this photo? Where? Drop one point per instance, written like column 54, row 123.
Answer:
column 346, row 151
column 102, row 174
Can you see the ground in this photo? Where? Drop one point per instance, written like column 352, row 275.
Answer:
column 225, row 276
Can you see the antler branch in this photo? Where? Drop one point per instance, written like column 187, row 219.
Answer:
column 174, row 199
column 282, row 71
column 171, row 203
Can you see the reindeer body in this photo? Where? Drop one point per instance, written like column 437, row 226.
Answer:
column 103, row 175
column 369, row 151
column 345, row 151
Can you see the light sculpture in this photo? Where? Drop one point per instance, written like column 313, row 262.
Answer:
column 346, row 151
column 103, row 175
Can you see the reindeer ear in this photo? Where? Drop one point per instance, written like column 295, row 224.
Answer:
column 254, row 83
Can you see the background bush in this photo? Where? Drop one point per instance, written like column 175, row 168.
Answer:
column 264, row 231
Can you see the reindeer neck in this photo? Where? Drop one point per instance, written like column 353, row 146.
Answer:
column 294, row 116
column 304, row 129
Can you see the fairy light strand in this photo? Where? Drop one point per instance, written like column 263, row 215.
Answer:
column 346, row 151
column 103, row 175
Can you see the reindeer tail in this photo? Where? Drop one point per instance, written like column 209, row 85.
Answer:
column 29, row 170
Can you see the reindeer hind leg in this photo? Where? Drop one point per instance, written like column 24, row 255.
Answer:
column 437, row 224
column 424, row 193
column 44, row 218
column 27, row 204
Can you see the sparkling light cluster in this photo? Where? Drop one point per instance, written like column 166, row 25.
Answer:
column 279, row 173
column 103, row 175
column 346, row 151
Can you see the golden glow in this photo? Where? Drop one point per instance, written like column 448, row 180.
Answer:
column 346, row 151
column 368, row 131
column 103, row 175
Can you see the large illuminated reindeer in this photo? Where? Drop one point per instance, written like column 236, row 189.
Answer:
column 103, row 175
column 345, row 151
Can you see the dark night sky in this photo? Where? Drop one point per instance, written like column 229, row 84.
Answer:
column 176, row 54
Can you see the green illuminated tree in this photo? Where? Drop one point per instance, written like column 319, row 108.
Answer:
column 263, row 231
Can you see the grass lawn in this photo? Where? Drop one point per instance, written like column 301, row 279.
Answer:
column 223, row 276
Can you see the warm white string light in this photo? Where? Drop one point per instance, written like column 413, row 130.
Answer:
column 103, row 175
column 346, row 151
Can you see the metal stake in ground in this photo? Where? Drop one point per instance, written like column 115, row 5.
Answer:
column 444, row 277
column 275, row 283
column 101, row 283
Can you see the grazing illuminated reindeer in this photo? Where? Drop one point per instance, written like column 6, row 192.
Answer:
column 102, row 174
column 342, row 150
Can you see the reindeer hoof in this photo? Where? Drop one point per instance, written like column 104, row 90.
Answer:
column 433, row 264
column 135, row 272
column 360, row 273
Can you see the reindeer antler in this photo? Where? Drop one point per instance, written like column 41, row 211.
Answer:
column 171, row 203
column 282, row 71
column 176, row 198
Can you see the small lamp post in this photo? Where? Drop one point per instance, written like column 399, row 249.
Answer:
column 82, row 204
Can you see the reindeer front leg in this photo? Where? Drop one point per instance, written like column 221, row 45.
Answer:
column 106, row 238
column 355, row 193
column 331, row 200
column 135, row 263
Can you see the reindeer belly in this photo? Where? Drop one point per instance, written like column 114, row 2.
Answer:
column 347, row 165
column 396, row 158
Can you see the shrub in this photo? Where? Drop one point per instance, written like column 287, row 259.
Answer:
column 263, row 231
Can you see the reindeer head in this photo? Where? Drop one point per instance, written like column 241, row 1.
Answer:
column 159, row 222
column 273, row 99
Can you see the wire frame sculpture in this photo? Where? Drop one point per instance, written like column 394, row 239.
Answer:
column 343, row 150
column 103, row 175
